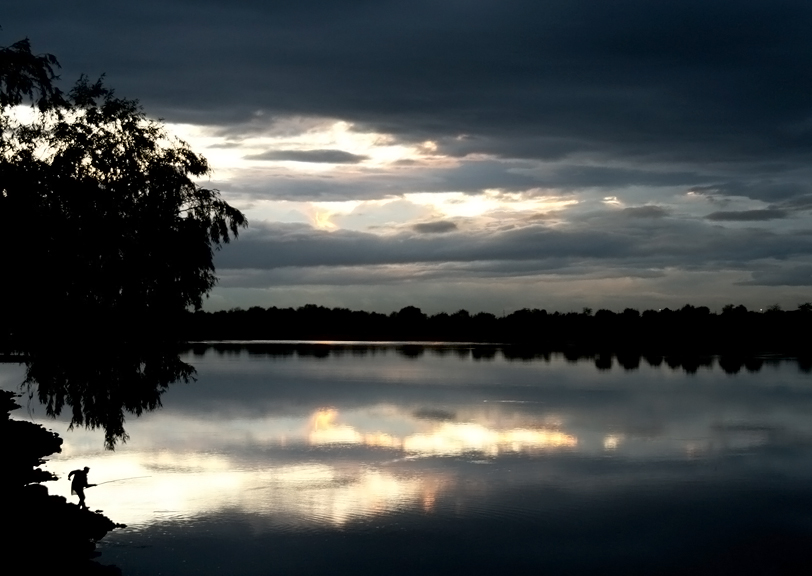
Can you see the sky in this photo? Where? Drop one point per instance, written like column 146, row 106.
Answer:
column 487, row 155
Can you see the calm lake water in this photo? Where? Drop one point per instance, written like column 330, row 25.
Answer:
column 444, row 460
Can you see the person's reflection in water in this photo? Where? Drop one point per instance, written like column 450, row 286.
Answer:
column 78, row 485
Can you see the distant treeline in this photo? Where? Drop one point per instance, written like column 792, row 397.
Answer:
column 691, row 330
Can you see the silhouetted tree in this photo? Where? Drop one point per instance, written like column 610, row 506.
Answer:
column 113, row 231
column 410, row 321
column 27, row 76
column 113, row 242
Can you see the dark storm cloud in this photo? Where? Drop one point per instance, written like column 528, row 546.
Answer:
column 747, row 215
column 685, row 80
column 318, row 156
column 438, row 227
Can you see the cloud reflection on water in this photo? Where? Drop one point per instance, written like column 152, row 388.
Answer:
column 294, row 444
column 444, row 439
column 184, row 481
column 180, row 487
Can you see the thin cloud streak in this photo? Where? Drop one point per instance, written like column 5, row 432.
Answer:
column 317, row 156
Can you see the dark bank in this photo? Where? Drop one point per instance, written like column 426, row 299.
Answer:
column 43, row 534
column 735, row 333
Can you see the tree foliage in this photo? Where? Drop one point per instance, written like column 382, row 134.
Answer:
column 110, row 240
column 110, row 227
column 26, row 76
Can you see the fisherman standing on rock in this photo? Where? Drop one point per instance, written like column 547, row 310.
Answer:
column 78, row 485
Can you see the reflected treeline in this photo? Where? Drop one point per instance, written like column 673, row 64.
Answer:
column 627, row 360
column 688, row 331
column 100, row 383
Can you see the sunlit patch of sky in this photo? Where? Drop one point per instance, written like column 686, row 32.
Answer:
column 231, row 154
column 232, row 158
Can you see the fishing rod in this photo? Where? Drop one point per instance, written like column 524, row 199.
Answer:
column 122, row 479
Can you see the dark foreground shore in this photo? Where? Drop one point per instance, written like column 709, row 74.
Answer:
column 44, row 534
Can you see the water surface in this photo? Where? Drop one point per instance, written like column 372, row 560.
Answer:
column 406, row 460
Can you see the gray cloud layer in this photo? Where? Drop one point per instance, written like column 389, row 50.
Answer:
column 642, row 243
column 647, row 99
column 679, row 80
column 788, row 276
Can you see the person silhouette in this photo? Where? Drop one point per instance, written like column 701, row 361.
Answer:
column 78, row 485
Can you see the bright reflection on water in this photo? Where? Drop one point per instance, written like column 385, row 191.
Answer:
column 379, row 461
